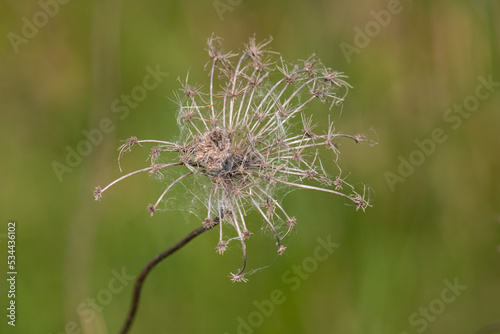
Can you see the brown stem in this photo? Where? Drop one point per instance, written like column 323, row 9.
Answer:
column 157, row 259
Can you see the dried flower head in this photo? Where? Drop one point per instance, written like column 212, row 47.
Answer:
column 242, row 138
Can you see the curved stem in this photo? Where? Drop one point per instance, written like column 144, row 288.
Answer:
column 144, row 273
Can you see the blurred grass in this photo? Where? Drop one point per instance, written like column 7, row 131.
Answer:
column 441, row 223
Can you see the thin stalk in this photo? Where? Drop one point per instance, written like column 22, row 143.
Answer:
column 144, row 273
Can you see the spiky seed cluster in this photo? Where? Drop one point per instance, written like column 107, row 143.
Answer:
column 239, row 136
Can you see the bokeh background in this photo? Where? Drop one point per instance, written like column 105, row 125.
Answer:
column 440, row 224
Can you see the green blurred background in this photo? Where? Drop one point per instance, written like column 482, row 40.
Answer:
column 441, row 224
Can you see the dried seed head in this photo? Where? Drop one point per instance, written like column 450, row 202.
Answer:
column 97, row 193
column 238, row 278
column 238, row 132
column 156, row 169
column 359, row 138
column 208, row 223
column 190, row 90
column 310, row 65
column 151, row 209
column 359, row 201
column 187, row 116
column 269, row 205
column 221, row 247
column 155, row 154
column 215, row 50
column 338, row 183
column 296, row 155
